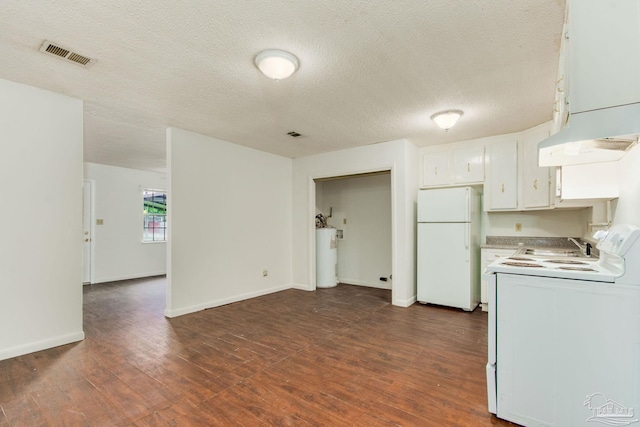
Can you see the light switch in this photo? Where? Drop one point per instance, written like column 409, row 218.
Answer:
column 99, row 221
column 344, row 220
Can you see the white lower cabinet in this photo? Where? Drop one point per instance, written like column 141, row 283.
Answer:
column 487, row 256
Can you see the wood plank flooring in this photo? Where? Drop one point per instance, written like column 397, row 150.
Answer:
column 335, row 357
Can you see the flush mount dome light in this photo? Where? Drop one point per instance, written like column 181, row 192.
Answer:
column 446, row 119
column 276, row 64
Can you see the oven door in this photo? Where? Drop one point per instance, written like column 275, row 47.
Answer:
column 491, row 341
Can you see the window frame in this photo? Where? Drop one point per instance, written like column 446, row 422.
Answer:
column 145, row 216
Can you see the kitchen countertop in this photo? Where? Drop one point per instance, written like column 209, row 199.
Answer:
column 513, row 242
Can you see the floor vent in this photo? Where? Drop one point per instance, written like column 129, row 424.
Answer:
column 68, row 54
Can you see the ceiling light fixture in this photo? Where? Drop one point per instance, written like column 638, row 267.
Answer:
column 447, row 119
column 276, row 64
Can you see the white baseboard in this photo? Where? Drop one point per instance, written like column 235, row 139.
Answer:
column 127, row 277
column 379, row 285
column 301, row 287
column 405, row 303
column 217, row 303
column 32, row 347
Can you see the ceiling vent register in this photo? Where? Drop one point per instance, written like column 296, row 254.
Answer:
column 68, row 54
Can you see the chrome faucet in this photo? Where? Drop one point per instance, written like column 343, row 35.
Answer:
column 585, row 249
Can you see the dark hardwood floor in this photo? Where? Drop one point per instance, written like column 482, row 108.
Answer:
column 335, row 357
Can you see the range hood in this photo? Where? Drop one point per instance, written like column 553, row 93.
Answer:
column 594, row 136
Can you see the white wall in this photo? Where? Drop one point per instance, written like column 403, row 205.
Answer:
column 626, row 210
column 401, row 158
column 117, row 244
column 41, row 217
column 229, row 218
column 364, row 255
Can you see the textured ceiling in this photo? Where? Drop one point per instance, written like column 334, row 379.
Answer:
column 370, row 70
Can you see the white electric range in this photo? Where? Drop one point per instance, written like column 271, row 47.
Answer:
column 564, row 336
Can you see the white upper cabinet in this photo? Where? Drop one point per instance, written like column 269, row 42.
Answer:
column 468, row 165
column 436, row 168
column 536, row 181
column 604, row 53
column 593, row 181
column 453, row 166
column 514, row 180
column 502, row 180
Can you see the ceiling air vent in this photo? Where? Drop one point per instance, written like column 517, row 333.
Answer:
column 68, row 54
column 293, row 134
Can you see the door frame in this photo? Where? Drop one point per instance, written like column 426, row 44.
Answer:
column 91, row 204
column 311, row 223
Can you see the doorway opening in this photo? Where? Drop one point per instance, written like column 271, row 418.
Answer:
column 359, row 207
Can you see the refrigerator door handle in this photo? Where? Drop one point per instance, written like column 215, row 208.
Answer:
column 468, row 213
column 466, row 243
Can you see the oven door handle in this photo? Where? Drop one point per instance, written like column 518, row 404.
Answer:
column 492, row 300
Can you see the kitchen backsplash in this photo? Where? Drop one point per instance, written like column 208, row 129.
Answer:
column 555, row 242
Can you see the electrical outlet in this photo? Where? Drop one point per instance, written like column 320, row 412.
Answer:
column 99, row 221
column 518, row 226
column 265, row 272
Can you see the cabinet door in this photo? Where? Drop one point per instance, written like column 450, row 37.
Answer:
column 436, row 168
column 536, row 181
column 503, row 169
column 592, row 181
column 605, row 54
column 468, row 165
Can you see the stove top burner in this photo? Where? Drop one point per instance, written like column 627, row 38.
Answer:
column 521, row 264
column 576, row 268
column 566, row 261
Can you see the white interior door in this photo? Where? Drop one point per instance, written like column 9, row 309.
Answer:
column 86, row 227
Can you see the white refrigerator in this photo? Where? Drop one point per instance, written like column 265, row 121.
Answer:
column 449, row 247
